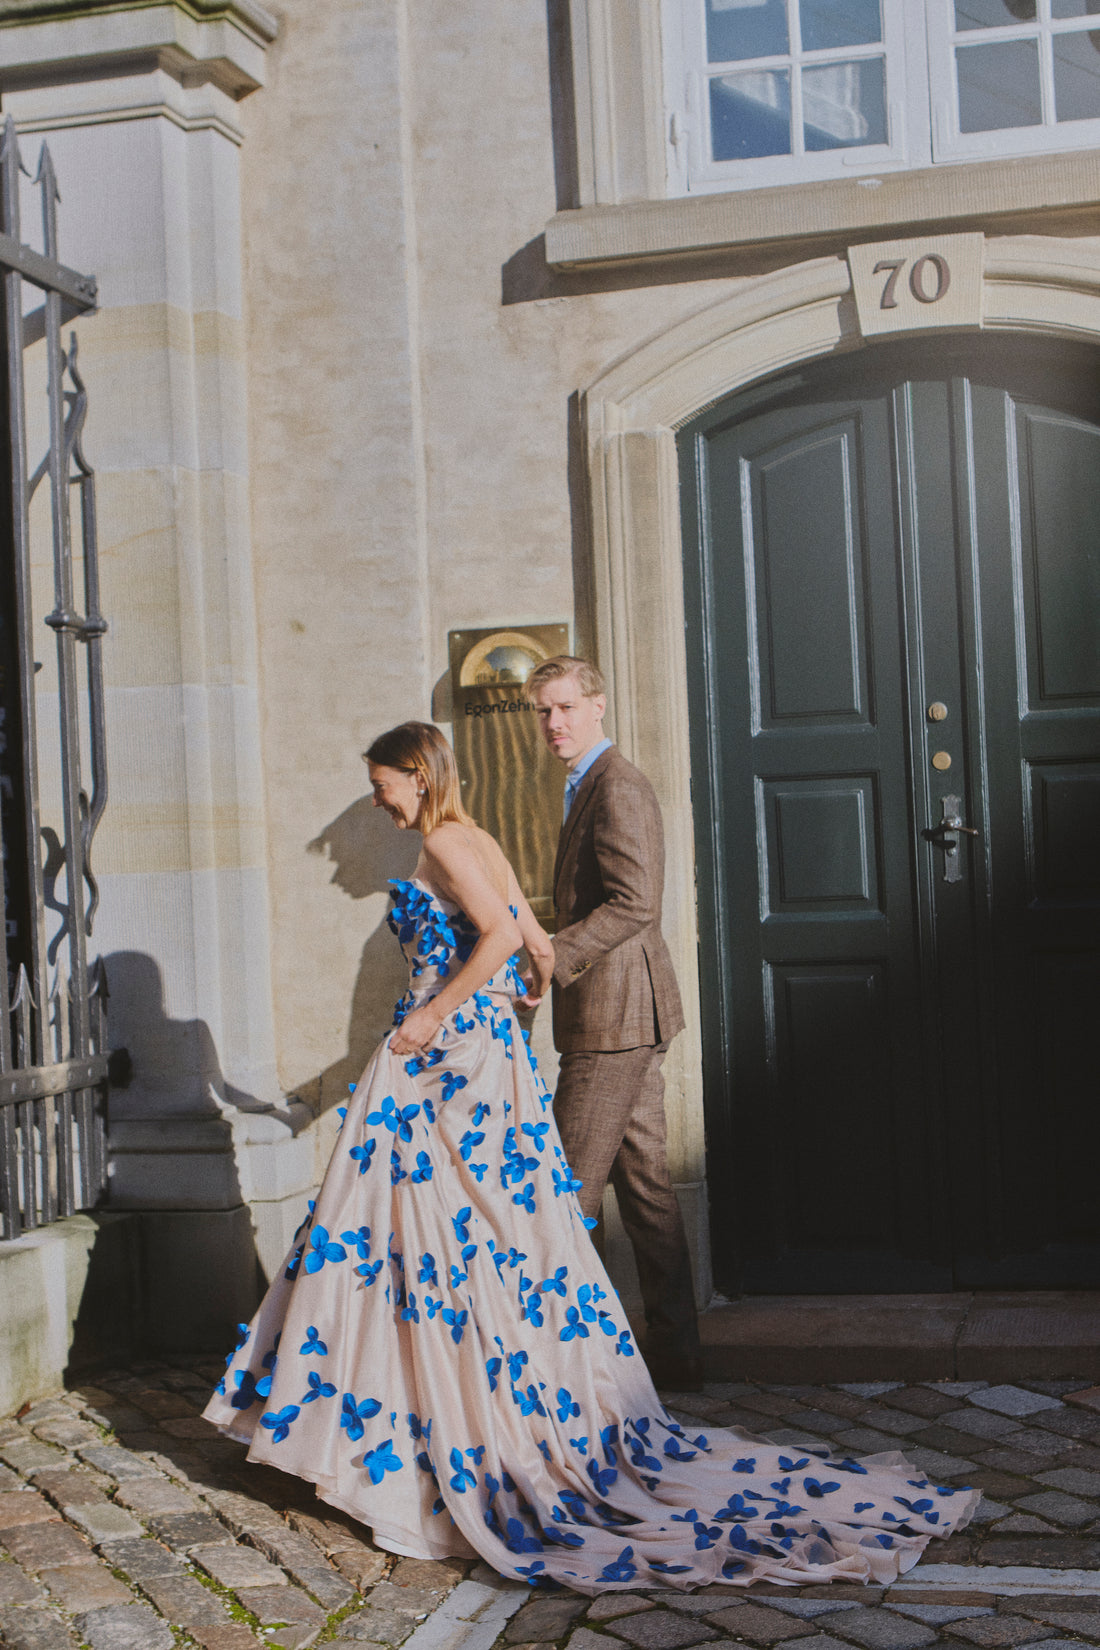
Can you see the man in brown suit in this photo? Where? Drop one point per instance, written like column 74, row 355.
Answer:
column 616, row 1003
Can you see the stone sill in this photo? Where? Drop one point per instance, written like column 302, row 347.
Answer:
column 893, row 201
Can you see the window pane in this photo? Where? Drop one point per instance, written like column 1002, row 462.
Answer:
column 1074, row 8
column 1077, row 75
column 999, row 86
column 828, row 23
column 992, row 14
column 750, row 115
column 737, row 29
column 844, row 104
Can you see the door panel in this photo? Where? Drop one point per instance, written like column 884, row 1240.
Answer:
column 893, row 1036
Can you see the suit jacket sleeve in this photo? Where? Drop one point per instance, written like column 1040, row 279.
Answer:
column 627, row 837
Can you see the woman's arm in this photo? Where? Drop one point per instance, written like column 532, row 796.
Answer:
column 538, row 945
column 454, row 867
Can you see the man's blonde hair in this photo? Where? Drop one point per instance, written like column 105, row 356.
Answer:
column 589, row 679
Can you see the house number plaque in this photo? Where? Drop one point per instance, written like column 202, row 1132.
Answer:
column 905, row 286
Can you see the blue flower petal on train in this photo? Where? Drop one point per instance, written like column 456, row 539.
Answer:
column 537, row 1131
column 602, row 1477
column 472, row 1138
column 532, row 1310
column 369, row 1271
column 322, row 1249
column 531, row 1571
column 664, row 1569
column 556, row 1284
column 452, row 1082
column 864, row 1506
column 317, row 1389
column 567, row 1404
column 525, row 1199
column 246, row 1394
column 423, row 1171
column 517, row 1539
column 313, row 1343
column 457, row 1323
column 624, row 1344
column 481, row 1112
column 279, row 1424
column 706, row 1536
column 463, row 1478
column 573, row 1326
column 432, row 1305
column 622, row 1569
column 363, row 1155
column 460, row 1224
column 382, row 1460
column 746, row 1463
column 360, row 1241
column 354, row 1414
column 427, row 1273
column 815, row 1489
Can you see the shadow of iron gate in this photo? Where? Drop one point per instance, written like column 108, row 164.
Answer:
column 53, row 1060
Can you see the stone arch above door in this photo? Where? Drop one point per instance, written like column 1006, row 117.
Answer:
column 1033, row 284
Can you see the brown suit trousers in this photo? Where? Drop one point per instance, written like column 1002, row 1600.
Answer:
column 616, row 1008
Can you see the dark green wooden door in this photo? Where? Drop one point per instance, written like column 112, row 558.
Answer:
column 893, row 581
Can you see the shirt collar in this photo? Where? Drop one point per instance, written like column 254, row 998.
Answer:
column 578, row 772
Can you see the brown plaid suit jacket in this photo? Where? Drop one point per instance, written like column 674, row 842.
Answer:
column 614, row 985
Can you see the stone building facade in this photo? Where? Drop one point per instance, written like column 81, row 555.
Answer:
column 406, row 310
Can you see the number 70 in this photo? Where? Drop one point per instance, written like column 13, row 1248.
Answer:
column 917, row 278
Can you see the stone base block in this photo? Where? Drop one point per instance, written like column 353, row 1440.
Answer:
column 202, row 1278
column 69, row 1296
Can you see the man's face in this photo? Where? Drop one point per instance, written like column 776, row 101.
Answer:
column 570, row 723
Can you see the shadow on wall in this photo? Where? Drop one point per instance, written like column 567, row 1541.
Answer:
column 164, row 1053
column 365, row 851
column 175, row 1262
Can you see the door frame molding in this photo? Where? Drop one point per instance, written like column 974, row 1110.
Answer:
column 632, row 413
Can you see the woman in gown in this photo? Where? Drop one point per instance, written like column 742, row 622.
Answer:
column 443, row 1354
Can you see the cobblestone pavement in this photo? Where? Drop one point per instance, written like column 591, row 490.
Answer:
column 126, row 1523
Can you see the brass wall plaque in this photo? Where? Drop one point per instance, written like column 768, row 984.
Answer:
column 511, row 784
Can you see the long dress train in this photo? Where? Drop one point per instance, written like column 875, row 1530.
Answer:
column 444, row 1356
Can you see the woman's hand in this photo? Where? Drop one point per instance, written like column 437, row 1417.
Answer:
column 417, row 1031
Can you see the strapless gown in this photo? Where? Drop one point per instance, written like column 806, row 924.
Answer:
column 445, row 1358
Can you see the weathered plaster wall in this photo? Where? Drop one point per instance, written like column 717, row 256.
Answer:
column 410, row 438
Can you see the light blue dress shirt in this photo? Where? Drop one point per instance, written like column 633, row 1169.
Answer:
column 572, row 784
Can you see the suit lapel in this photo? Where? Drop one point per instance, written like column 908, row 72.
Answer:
column 580, row 803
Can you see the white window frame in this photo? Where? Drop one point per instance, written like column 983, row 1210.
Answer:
column 919, row 40
column 949, row 144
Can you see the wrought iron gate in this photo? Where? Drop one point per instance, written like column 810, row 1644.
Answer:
column 53, row 1060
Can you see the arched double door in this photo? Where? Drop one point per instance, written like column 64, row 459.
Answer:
column 892, row 566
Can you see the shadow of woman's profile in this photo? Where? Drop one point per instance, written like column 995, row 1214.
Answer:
column 365, row 852
column 174, row 1059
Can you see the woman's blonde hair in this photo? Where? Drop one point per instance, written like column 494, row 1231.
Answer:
column 420, row 748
